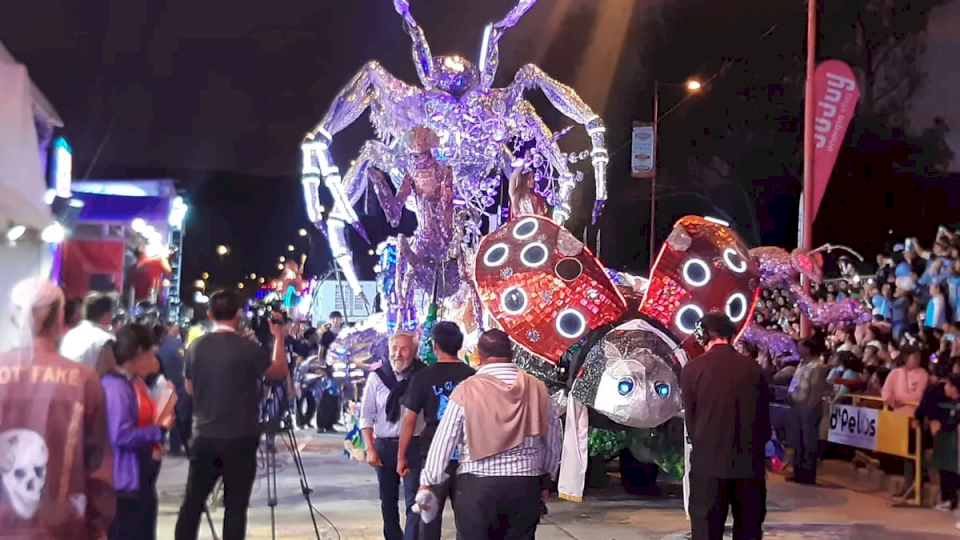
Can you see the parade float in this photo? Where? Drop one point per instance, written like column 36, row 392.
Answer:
column 441, row 151
column 610, row 346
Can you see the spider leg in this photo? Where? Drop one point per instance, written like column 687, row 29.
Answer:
column 566, row 100
column 554, row 156
column 355, row 183
column 367, row 88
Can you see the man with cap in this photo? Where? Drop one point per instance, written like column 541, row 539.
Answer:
column 726, row 404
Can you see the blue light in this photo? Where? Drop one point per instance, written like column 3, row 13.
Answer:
column 625, row 386
column 662, row 389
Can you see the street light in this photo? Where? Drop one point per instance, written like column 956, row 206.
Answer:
column 302, row 232
column 290, row 248
column 239, row 285
column 279, row 267
column 262, row 280
column 200, row 284
column 371, row 252
column 253, row 276
column 205, row 275
column 692, row 86
column 222, row 250
column 282, row 259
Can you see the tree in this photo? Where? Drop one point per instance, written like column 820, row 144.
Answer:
column 740, row 143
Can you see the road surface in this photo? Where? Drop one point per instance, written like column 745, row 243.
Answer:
column 346, row 500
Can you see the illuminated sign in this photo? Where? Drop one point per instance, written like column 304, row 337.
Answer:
column 62, row 168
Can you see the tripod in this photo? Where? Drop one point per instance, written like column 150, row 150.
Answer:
column 289, row 439
column 277, row 421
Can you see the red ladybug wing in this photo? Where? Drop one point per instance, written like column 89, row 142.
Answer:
column 703, row 267
column 543, row 286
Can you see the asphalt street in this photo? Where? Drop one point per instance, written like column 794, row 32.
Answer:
column 345, row 498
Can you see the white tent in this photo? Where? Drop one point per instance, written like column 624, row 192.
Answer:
column 22, row 181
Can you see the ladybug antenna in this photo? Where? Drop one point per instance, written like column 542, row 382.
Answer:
column 830, row 247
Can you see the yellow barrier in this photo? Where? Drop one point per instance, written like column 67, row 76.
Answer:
column 864, row 422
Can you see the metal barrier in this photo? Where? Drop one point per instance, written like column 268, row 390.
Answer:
column 864, row 422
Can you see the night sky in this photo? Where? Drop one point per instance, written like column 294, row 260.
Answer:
column 219, row 94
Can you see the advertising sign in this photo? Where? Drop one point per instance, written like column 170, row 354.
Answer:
column 837, row 94
column 643, row 150
column 853, row 426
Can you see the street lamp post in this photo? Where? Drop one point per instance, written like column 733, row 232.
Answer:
column 693, row 86
column 653, row 179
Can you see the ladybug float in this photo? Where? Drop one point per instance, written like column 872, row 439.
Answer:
column 619, row 357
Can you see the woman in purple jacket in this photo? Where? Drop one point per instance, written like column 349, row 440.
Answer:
column 130, row 355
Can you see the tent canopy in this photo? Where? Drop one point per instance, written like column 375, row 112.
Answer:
column 41, row 105
column 22, row 182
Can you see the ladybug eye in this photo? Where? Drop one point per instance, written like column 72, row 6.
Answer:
column 662, row 389
column 625, row 386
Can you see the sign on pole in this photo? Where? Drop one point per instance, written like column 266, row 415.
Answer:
column 643, row 150
column 853, row 426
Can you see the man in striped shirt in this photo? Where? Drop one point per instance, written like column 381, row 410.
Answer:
column 380, row 410
column 509, row 430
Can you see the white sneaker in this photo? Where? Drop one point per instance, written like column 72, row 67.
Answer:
column 943, row 506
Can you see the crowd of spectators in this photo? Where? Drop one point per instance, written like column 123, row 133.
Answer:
column 908, row 355
column 913, row 295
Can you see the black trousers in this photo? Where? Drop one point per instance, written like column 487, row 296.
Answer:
column 236, row 461
column 496, row 507
column 949, row 484
column 433, row 530
column 136, row 517
column 805, row 435
column 150, row 503
column 180, row 436
column 328, row 412
column 710, row 499
column 128, row 522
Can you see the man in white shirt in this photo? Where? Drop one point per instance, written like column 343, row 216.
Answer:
column 83, row 343
column 508, row 433
column 380, row 410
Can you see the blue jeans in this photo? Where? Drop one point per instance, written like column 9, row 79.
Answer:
column 389, row 482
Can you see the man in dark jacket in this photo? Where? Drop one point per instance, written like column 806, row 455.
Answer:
column 727, row 410
column 170, row 354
